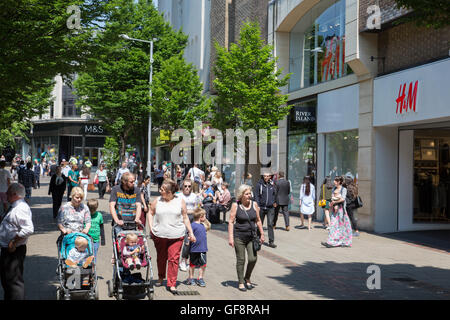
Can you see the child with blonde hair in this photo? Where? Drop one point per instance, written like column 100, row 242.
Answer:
column 198, row 248
column 131, row 251
column 79, row 255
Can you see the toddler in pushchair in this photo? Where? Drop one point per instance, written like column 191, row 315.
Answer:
column 130, row 250
column 76, row 270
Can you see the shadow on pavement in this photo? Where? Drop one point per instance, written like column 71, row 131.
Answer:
column 437, row 239
column 343, row 281
column 40, row 277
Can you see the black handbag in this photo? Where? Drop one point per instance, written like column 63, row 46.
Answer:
column 358, row 202
column 255, row 240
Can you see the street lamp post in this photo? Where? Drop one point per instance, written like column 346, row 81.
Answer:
column 149, row 151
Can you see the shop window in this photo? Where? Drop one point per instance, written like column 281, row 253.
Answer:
column 341, row 154
column 317, row 46
column 431, row 195
column 302, row 146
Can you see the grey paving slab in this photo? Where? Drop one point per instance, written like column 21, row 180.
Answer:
column 299, row 268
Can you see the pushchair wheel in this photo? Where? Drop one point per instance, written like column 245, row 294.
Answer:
column 110, row 290
column 150, row 295
column 59, row 294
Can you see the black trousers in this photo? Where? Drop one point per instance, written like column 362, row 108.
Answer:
column 285, row 211
column 270, row 213
column 11, row 273
column 101, row 188
column 351, row 215
column 57, row 200
column 69, row 189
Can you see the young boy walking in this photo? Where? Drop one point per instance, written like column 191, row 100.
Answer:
column 199, row 248
column 97, row 231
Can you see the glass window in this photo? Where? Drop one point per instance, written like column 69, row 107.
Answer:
column 302, row 149
column 431, row 195
column 341, row 154
column 317, row 46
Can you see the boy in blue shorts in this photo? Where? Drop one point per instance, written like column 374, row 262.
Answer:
column 198, row 249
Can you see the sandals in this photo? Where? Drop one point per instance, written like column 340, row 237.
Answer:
column 172, row 290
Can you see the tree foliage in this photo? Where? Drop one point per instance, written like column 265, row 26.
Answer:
column 248, row 84
column 116, row 92
column 35, row 46
column 428, row 13
column 177, row 96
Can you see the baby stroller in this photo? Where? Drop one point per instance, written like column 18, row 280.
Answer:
column 71, row 278
column 125, row 284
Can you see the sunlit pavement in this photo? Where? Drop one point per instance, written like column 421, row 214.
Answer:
column 299, row 268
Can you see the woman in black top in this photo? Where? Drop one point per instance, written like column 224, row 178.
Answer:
column 57, row 188
column 246, row 215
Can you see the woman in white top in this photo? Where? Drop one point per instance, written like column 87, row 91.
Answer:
column 307, row 201
column 168, row 221
column 84, row 180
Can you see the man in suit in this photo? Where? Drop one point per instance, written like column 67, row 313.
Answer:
column 283, row 188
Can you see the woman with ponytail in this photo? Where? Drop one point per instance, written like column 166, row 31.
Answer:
column 307, row 201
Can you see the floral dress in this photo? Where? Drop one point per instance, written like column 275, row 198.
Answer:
column 74, row 218
column 340, row 233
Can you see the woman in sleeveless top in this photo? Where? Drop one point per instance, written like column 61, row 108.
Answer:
column 246, row 215
column 168, row 221
column 340, row 233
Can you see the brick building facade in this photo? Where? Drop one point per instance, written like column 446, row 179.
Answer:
column 227, row 17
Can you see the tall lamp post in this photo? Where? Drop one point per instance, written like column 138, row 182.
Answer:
column 149, row 151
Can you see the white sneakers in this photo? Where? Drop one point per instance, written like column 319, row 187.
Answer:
column 183, row 265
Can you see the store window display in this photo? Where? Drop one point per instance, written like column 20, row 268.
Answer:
column 431, row 195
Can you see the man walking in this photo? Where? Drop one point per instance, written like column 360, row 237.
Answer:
column 265, row 196
column 283, row 189
column 121, row 172
column 28, row 181
column 15, row 228
column 37, row 173
column 197, row 176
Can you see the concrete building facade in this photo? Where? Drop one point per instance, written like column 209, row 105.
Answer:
column 340, row 66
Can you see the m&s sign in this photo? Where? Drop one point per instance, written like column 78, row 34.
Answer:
column 406, row 100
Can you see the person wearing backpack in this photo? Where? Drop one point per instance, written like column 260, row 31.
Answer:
column 196, row 175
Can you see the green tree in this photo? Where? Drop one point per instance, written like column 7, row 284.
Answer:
column 248, row 84
column 177, row 96
column 35, row 46
column 116, row 91
column 428, row 13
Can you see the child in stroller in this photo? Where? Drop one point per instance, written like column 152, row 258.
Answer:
column 130, row 252
column 79, row 255
column 76, row 270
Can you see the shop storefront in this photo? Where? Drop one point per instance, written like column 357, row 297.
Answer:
column 61, row 140
column 301, row 145
column 412, row 121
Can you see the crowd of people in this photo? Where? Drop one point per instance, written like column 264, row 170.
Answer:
column 179, row 218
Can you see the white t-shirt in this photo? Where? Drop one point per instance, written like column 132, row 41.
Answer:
column 191, row 200
column 4, row 175
column 195, row 172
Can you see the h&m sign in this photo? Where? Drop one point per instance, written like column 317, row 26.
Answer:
column 406, row 100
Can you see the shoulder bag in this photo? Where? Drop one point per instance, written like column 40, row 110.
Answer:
column 255, row 241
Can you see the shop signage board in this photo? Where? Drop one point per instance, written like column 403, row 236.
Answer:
column 413, row 96
column 304, row 114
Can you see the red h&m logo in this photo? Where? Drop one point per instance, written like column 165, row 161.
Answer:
column 407, row 102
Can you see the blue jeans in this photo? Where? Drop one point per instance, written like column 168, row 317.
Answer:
column 96, row 246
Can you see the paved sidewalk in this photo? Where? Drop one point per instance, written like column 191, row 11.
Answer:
column 299, row 268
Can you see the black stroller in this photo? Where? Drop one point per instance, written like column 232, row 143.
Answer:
column 126, row 284
column 71, row 278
